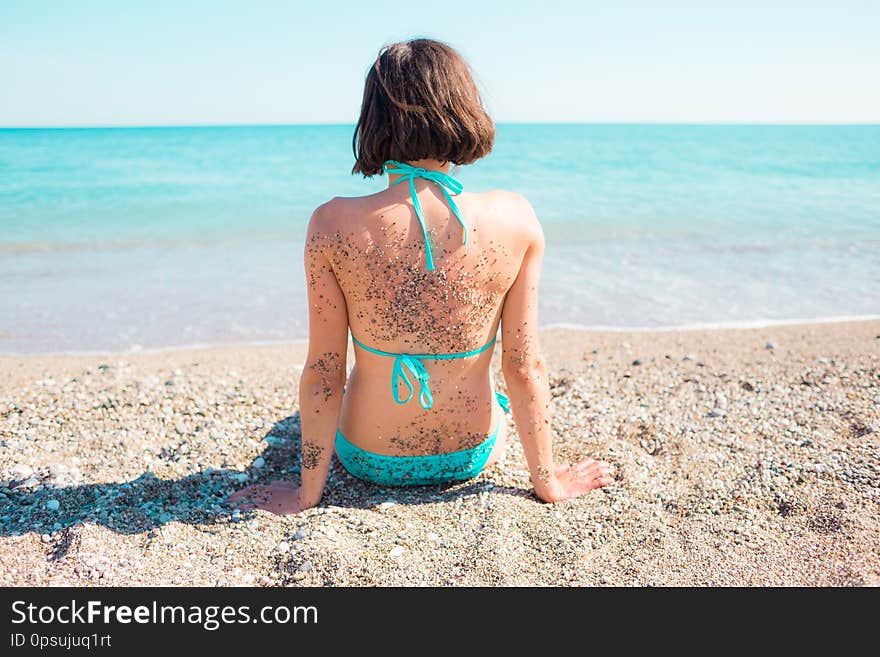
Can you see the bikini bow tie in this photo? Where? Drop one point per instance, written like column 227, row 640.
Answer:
column 411, row 363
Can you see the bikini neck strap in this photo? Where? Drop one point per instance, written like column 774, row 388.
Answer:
column 448, row 185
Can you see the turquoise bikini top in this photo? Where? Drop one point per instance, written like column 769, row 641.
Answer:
column 446, row 183
column 412, row 363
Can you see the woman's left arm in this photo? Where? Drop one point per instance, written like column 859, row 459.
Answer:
column 323, row 379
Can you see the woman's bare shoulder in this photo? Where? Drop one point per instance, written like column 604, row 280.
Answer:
column 330, row 213
column 511, row 207
column 327, row 216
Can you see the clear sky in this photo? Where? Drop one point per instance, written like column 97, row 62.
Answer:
column 160, row 62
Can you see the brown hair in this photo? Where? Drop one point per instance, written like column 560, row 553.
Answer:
column 420, row 101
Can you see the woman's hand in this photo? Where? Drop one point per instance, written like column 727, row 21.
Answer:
column 575, row 480
column 280, row 497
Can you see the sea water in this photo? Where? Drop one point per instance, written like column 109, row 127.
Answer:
column 141, row 238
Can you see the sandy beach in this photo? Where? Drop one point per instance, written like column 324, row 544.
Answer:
column 744, row 456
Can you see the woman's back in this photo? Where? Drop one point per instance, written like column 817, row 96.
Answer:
column 395, row 304
column 421, row 280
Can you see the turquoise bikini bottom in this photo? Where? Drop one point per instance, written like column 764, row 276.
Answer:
column 387, row 470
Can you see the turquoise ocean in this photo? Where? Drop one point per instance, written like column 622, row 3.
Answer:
column 123, row 239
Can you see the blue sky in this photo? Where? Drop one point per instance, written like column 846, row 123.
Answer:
column 101, row 62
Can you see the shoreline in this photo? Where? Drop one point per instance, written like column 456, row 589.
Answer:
column 564, row 326
column 746, row 456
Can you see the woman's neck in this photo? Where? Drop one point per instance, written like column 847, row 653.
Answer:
column 429, row 164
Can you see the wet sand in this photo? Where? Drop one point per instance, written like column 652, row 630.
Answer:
column 745, row 456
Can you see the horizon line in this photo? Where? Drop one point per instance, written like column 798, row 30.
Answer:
column 124, row 126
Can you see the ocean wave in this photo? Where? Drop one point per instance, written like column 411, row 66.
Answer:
column 712, row 326
column 123, row 245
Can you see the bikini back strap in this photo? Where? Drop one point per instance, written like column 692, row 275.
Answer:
column 411, row 364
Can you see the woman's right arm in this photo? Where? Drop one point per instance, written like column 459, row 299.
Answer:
column 526, row 376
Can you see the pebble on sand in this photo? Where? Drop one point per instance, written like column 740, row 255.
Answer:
column 22, row 471
column 396, row 551
column 53, row 505
column 770, row 345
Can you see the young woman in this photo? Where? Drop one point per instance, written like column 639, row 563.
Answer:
column 422, row 275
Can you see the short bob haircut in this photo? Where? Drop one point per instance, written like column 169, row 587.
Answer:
column 420, row 102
